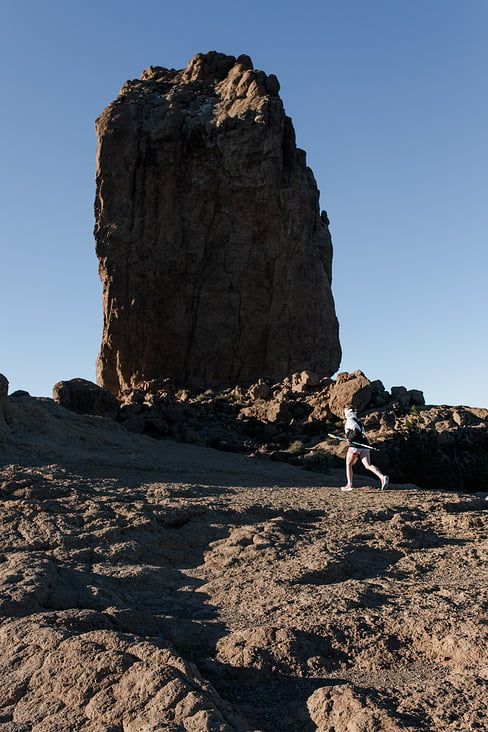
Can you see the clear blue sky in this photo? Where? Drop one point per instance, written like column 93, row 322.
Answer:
column 389, row 100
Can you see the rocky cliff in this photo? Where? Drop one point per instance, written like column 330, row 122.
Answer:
column 214, row 256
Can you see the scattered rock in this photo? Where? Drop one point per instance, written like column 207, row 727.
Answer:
column 304, row 381
column 260, row 390
column 401, row 396
column 426, row 445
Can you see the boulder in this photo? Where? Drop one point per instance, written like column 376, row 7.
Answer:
column 416, row 398
column 353, row 389
column 401, row 396
column 274, row 411
column 215, row 259
column 379, row 395
column 304, row 381
column 85, row 397
column 260, row 390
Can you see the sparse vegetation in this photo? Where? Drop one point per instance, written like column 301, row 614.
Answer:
column 297, row 447
column 414, row 421
column 318, row 461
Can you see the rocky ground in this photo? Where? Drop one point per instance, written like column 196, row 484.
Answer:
column 429, row 445
column 153, row 585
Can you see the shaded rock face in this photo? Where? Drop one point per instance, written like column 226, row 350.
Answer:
column 214, row 256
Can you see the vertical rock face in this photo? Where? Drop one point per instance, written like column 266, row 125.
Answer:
column 214, row 256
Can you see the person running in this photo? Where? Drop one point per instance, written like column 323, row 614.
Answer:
column 354, row 431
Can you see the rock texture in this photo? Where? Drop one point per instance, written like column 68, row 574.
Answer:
column 153, row 586
column 214, row 256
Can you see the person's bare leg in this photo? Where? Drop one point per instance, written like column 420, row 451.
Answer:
column 351, row 459
column 369, row 466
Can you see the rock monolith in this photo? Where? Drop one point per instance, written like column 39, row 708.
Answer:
column 214, row 256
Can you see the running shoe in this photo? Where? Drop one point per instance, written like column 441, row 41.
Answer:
column 346, row 488
column 384, row 482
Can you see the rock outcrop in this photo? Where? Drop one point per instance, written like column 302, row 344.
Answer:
column 214, row 256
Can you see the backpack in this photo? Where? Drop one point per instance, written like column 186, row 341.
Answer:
column 357, row 434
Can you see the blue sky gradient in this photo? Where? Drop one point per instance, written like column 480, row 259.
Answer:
column 389, row 101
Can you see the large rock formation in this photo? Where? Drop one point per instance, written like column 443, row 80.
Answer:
column 214, row 256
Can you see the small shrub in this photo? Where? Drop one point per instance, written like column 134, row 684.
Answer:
column 296, row 448
column 414, row 422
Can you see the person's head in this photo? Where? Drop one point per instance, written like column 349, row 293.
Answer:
column 349, row 412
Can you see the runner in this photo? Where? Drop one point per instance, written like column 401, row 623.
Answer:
column 354, row 431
